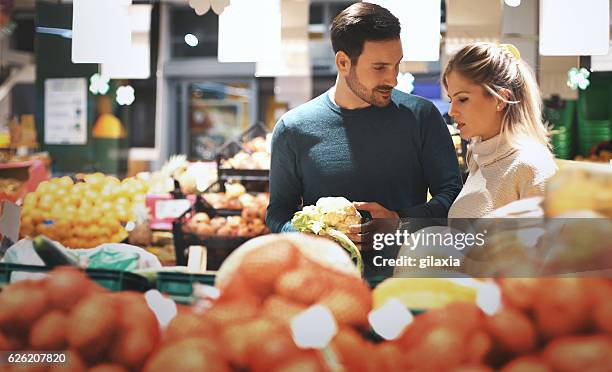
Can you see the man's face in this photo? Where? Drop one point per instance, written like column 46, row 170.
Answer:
column 375, row 74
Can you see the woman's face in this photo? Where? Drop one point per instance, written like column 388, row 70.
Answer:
column 476, row 112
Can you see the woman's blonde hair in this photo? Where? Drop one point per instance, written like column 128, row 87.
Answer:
column 499, row 69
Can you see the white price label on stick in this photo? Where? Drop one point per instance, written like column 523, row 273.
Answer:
column 171, row 208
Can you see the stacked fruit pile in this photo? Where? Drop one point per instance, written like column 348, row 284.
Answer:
column 250, row 223
column 255, row 156
column 226, row 200
column 83, row 214
column 9, row 186
column 67, row 311
column 233, row 226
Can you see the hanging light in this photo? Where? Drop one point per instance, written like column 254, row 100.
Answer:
column 98, row 84
column 125, row 95
column 191, row 40
column 513, row 3
column 578, row 79
column 405, row 82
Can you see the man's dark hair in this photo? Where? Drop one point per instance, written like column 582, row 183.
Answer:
column 359, row 23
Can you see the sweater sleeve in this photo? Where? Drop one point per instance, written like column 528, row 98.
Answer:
column 440, row 168
column 535, row 166
column 285, row 183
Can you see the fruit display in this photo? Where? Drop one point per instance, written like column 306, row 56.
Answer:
column 601, row 153
column 67, row 311
column 228, row 200
column 192, row 177
column 9, row 185
column 331, row 217
column 82, row 214
column 255, row 156
column 250, row 223
column 226, row 227
column 578, row 188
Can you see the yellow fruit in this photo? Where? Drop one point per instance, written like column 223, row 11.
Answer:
column 66, row 182
column 46, row 202
column 423, row 293
column 43, row 187
column 30, row 200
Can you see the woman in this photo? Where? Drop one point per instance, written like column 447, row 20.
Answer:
column 496, row 104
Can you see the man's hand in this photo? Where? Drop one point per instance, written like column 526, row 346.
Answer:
column 384, row 221
column 376, row 210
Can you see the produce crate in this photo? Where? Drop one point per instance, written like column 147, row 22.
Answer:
column 217, row 248
column 7, row 270
column 113, row 280
column 253, row 179
column 179, row 286
column 30, row 173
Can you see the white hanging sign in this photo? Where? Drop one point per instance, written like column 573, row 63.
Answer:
column 65, row 111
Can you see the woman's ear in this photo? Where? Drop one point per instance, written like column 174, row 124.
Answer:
column 506, row 94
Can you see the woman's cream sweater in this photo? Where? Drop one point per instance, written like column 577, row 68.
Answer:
column 500, row 174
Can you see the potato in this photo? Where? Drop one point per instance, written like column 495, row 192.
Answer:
column 346, row 307
column 191, row 354
column 472, row 368
column 261, row 268
column 278, row 348
column 66, row 286
column 74, row 363
column 563, row 308
column 440, row 349
column 302, row 285
column 512, row 331
column 92, row 325
column 204, row 230
column 20, row 306
column 49, row 332
column 108, row 368
column 579, row 354
column 282, row 309
column 521, row 293
column 200, row 217
column 478, row 346
column 225, row 231
column 239, row 338
column 189, row 325
column 391, row 356
column 526, row 364
column 138, row 331
column 603, row 316
column 307, row 361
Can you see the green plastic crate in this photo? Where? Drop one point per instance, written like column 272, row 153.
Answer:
column 179, row 286
column 7, row 270
column 115, row 280
column 111, row 279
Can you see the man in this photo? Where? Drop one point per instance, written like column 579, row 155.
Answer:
column 362, row 139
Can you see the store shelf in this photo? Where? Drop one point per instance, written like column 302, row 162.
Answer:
column 227, row 174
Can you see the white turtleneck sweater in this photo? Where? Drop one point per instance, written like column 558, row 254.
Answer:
column 501, row 174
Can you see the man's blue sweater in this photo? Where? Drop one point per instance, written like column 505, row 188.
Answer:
column 390, row 155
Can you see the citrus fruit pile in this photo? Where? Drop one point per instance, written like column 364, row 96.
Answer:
column 82, row 214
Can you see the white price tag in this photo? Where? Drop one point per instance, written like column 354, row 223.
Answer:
column 171, row 208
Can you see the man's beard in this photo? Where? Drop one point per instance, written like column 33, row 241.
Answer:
column 369, row 96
